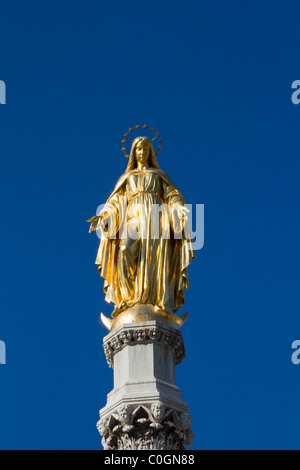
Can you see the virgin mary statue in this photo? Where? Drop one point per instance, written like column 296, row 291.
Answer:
column 145, row 249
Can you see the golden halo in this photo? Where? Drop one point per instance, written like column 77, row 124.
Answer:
column 131, row 129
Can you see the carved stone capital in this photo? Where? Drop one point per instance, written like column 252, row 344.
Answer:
column 154, row 427
column 128, row 334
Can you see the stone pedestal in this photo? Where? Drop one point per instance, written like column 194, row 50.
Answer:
column 144, row 410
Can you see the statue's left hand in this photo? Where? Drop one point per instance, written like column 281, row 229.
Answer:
column 182, row 211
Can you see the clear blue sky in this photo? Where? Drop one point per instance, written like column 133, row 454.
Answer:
column 215, row 79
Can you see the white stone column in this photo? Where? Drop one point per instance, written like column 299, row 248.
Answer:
column 145, row 409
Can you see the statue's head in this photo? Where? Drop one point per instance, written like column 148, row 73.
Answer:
column 102, row 426
column 142, row 151
column 158, row 410
column 124, row 413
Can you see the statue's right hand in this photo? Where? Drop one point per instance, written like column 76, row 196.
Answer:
column 94, row 223
column 97, row 220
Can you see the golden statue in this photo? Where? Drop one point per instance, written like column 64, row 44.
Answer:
column 145, row 273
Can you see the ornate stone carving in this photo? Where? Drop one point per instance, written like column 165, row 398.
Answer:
column 137, row 335
column 156, row 428
column 155, row 334
column 125, row 336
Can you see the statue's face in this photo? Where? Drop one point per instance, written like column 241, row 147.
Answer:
column 158, row 410
column 142, row 151
column 102, row 426
column 124, row 414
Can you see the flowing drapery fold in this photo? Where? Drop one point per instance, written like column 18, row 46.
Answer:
column 144, row 263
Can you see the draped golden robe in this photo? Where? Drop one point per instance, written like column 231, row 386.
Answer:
column 149, row 269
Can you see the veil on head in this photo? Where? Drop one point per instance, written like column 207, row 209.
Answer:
column 132, row 164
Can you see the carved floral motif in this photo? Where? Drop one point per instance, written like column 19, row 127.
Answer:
column 156, row 428
column 133, row 335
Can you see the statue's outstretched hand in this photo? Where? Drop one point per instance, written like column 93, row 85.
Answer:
column 97, row 220
column 94, row 223
column 182, row 212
